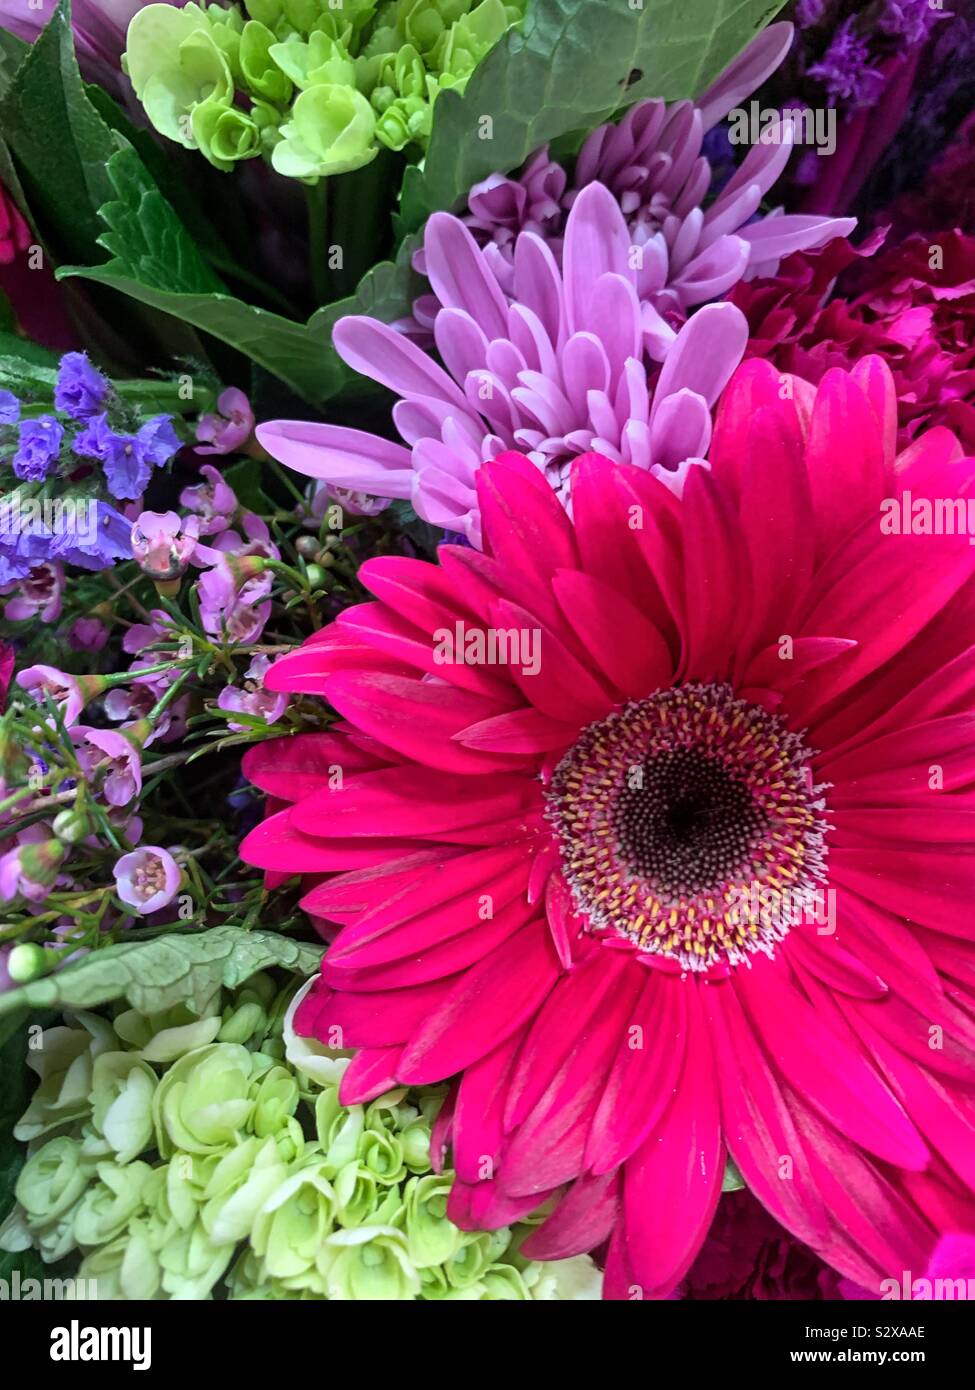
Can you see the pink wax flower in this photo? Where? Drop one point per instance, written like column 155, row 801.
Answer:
column 163, row 544
column 114, row 757
column 214, row 502
column 37, row 596
column 253, row 698
column 70, row 693
column 147, row 879
column 230, row 429
column 234, row 593
column 142, row 635
column 30, row 869
column 87, row 635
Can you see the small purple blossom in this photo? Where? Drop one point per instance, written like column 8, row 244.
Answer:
column 163, row 543
column 810, row 12
column 158, row 440
column 39, row 595
column 87, row 635
column 845, row 70
column 213, row 501
column 911, row 20
column 229, row 429
column 253, row 699
column 128, row 459
column 109, row 754
column 147, row 879
column 81, row 390
column 107, row 541
column 9, row 408
column 38, row 446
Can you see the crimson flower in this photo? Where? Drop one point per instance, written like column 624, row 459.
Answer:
column 686, row 869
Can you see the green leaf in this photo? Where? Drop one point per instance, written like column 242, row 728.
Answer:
column 29, row 354
column 571, row 65
column 155, row 262
column 13, row 51
column 154, row 975
column 732, row 1180
column 22, row 375
column 59, row 143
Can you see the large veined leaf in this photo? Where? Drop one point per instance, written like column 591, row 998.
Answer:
column 156, row 974
column 155, row 261
column 568, row 67
column 59, row 142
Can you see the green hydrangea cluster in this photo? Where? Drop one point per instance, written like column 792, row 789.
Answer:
column 315, row 86
column 197, row 1155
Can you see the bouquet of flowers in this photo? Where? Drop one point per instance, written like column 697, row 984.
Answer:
column 487, row 649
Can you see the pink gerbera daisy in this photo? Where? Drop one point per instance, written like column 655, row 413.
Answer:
column 685, row 870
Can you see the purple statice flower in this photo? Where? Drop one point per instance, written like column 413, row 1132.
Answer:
column 696, row 225
column 38, row 446
column 147, row 879
column 38, row 595
column 87, row 635
column 107, row 540
column 910, row 20
column 128, row 459
column 252, row 698
column 230, row 428
column 163, row 543
column 558, row 371
column 9, row 408
column 810, row 12
column 109, row 754
column 81, row 389
column 845, row 69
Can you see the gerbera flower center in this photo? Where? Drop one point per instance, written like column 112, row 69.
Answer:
column 690, row 824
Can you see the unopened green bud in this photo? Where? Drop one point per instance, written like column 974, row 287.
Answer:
column 26, row 962
column 224, row 134
column 72, row 826
column 241, row 1024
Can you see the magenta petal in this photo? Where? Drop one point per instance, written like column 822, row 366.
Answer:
column 490, row 1003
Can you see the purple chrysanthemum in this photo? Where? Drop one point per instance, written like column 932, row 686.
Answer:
column 655, row 162
column 557, row 372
